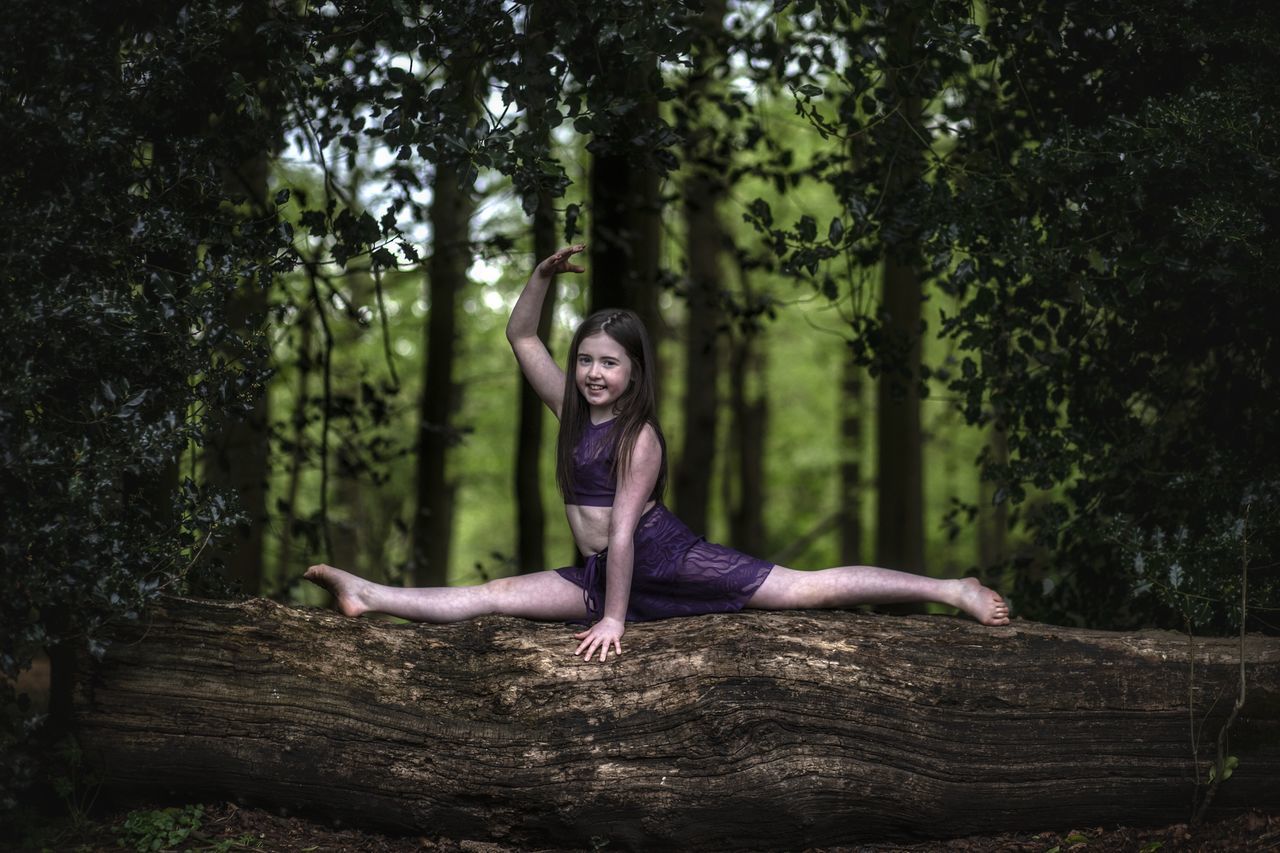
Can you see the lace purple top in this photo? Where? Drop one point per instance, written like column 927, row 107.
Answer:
column 592, row 482
column 674, row 572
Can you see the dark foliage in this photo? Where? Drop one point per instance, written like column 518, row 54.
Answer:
column 1117, row 270
column 123, row 236
column 1101, row 206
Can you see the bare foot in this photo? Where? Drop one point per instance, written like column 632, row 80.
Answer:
column 985, row 605
column 347, row 589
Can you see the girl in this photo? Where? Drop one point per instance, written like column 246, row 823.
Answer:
column 611, row 465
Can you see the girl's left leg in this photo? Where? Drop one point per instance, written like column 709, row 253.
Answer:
column 848, row 586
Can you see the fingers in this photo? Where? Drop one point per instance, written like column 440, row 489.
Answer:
column 561, row 258
column 591, row 643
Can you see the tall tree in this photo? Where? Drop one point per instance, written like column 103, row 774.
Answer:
column 899, row 471
column 704, row 187
column 625, row 224
column 236, row 456
column 993, row 509
column 452, row 207
column 851, row 450
column 622, row 83
column 749, row 414
column 537, row 96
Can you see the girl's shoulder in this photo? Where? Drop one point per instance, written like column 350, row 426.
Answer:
column 650, row 439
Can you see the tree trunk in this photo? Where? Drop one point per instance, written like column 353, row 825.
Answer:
column 624, row 232
column 993, row 517
column 236, row 457
column 760, row 730
column 238, row 452
column 625, row 227
column 749, row 412
column 899, row 468
column 704, row 242
column 850, row 508
column 750, row 408
column 296, row 444
column 531, row 548
column 451, row 209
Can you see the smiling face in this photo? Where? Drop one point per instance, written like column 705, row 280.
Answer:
column 602, row 373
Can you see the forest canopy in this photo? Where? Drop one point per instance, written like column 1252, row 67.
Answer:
column 257, row 259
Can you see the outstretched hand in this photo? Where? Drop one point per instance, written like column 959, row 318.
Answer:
column 559, row 262
column 600, row 636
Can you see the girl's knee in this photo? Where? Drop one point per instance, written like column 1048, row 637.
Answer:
column 498, row 594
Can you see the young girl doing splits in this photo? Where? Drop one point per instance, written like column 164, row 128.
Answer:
column 642, row 562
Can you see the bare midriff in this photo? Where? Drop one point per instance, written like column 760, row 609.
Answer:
column 590, row 526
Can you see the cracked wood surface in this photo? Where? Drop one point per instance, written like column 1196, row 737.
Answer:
column 752, row 730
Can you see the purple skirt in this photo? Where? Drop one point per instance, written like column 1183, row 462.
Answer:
column 675, row 573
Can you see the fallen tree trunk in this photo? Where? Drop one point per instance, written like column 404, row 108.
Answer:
column 754, row 730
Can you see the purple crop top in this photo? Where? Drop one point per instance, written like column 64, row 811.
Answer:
column 591, row 481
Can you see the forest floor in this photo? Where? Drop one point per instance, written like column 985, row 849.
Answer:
column 227, row 828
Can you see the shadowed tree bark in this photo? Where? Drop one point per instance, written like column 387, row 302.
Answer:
column 851, row 465
column 993, row 516
column 753, row 730
column 237, row 456
column 749, row 408
column 900, row 492
column 531, row 550
column 704, row 239
column 625, row 230
column 899, row 469
column 452, row 207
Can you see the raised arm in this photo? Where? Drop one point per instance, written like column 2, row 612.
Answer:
column 536, row 363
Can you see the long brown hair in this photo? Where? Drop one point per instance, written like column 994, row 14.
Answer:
column 636, row 407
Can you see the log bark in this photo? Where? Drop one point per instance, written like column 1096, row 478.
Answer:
column 754, row 730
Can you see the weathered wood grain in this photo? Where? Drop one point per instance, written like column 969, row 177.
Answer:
column 754, row 730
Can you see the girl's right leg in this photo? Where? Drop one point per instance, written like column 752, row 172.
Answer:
column 541, row 595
